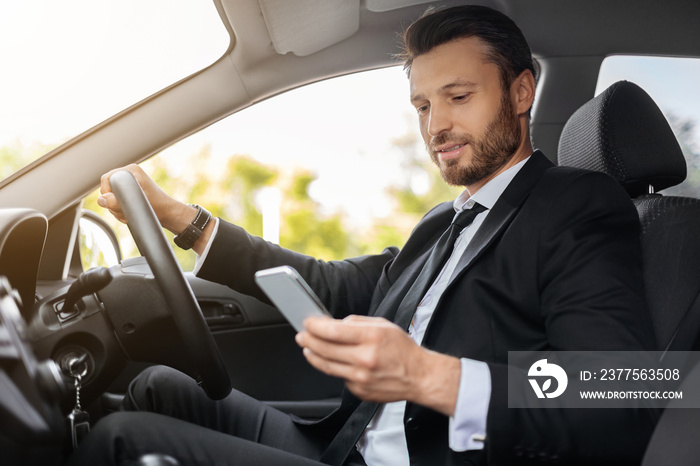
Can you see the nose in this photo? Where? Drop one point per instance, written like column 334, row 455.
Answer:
column 439, row 120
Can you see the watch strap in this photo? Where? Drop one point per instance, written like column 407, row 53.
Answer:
column 194, row 230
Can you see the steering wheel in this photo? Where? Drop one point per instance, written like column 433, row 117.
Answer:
column 151, row 241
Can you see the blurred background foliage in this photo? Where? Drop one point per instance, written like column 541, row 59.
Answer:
column 304, row 225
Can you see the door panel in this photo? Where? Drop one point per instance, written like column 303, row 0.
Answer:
column 261, row 356
column 258, row 347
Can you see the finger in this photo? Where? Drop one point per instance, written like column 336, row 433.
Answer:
column 109, row 201
column 365, row 356
column 332, row 351
column 336, row 368
column 134, row 169
column 105, row 187
column 137, row 171
column 334, row 330
column 367, row 320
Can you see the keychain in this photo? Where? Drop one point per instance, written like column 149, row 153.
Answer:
column 78, row 420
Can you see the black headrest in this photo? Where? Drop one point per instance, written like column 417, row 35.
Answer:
column 624, row 134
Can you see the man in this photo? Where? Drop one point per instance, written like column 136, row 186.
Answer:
column 548, row 260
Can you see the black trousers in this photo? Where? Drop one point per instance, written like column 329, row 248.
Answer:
column 165, row 412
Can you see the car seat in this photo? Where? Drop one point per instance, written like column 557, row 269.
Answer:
column 623, row 133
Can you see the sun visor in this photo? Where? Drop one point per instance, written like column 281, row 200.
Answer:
column 289, row 23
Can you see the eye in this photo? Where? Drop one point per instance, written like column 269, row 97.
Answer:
column 460, row 98
column 422, row 109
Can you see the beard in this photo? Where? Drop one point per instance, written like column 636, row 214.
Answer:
column 498, row 145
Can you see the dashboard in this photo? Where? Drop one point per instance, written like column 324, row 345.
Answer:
column 22, row 236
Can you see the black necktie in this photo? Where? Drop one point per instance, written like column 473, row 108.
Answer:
column 343, row 443
column 435, row 263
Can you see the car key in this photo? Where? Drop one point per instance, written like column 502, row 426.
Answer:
column 78, row 420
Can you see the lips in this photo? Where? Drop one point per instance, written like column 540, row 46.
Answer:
column 451, row 148
column 449, row 151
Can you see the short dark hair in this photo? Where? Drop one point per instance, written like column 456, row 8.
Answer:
column 507, row 47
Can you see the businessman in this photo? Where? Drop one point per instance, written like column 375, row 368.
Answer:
column 529, row 257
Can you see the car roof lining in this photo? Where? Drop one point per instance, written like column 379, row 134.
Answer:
column 332, row 21
column 581, row 28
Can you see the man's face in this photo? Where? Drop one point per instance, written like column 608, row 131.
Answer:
column 466, row 119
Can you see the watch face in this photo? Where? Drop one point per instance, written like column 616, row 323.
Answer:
column 187, row 238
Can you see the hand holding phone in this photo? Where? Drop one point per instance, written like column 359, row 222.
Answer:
column 290, row 294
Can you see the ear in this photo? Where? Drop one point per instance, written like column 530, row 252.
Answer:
column 523, row 88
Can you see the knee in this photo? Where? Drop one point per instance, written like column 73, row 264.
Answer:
column 154, row 384
column 159, row 377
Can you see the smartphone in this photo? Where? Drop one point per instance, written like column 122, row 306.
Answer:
column 291, row 294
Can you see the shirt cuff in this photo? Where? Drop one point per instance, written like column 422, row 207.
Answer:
column 203, row 257
column 468, row 425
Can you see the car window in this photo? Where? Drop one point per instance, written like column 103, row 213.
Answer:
column 71, row 64
column 334, row 169
column 672, row 83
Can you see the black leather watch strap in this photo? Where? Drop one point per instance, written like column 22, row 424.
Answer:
column 194, row 230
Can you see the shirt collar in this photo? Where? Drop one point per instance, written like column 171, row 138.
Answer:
column 490, row 192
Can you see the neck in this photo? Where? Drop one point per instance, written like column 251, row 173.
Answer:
column 524, row 151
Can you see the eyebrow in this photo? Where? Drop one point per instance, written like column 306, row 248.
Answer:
column 447, row 87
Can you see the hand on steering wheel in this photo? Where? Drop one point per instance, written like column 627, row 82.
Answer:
column 151, row 241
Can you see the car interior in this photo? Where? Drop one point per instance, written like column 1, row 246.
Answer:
column 59, row 322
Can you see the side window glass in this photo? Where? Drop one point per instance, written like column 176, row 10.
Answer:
column 672, row 83
column 334, row 169
column 99, row 246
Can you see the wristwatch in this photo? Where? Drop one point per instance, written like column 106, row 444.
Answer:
column 194, row 230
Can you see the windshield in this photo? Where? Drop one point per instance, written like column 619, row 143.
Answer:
column 69, row 65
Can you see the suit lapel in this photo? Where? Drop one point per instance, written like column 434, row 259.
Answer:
column 503, row 211
column 392, row 297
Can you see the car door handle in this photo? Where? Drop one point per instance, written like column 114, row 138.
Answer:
column 222, row 316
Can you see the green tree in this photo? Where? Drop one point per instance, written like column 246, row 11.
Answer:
column 244, row 177
column 233, row 197
column 305, row 229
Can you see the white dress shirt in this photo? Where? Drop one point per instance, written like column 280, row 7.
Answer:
column 384, row 439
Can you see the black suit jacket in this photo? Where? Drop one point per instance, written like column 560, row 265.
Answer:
column 556, row 265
